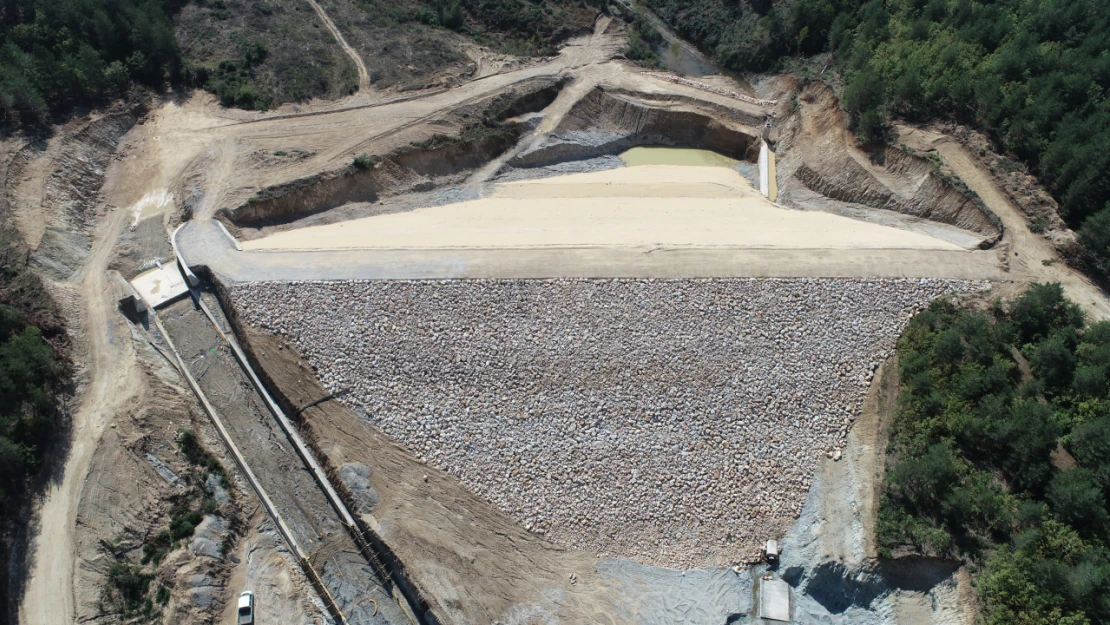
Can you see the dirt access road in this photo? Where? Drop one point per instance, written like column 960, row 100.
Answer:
column 1031, row 257
column 112, row 382
column 363, row 75
column 108, row 372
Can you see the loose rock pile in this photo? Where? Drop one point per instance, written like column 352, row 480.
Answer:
column 675, row 422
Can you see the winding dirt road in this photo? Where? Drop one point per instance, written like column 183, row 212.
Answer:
column 363, row 75
column 113, row 382
column 1031, row 257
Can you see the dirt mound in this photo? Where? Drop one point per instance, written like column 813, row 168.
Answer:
column 817, row 153
column 608, row 121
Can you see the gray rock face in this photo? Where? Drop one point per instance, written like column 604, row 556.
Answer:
column 208, row 536
column 673, row 422
column 357, row 478
column 219, row 493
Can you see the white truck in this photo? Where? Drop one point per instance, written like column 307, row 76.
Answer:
column 246, row 608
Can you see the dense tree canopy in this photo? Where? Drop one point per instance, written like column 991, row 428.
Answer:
column 28, row 373
column 1008, row 469
column 56, row 53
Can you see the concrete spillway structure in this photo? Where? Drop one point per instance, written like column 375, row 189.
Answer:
column 768, row 186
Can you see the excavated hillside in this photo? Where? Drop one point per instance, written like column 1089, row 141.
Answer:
column 101, row 202
column 485, row 133
column 610, row 121
column 819, row 160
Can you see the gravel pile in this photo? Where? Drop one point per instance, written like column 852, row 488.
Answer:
column 676, row 423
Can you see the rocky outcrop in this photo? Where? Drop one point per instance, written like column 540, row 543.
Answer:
column 932, row 197
column 611, row 121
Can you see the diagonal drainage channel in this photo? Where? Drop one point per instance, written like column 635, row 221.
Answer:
column 314, row 527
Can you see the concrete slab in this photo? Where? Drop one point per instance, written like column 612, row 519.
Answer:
column 160, row 285
column 774, row 600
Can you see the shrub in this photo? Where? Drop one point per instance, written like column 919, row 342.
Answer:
column 363, row 162
column 1077, row 500
column 1094, row 234
column 129, row 584
column 1043, row 310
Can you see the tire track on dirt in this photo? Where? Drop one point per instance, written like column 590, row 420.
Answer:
column 363, row 75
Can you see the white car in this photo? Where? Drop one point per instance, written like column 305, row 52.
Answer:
column 246, row 608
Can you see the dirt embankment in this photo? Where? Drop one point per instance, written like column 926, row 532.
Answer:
column 817, row 153
column 480, row 133
column 136, row 476
column 51, row 187
column 608, row 121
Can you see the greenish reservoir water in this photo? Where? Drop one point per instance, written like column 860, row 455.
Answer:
column 675, row 156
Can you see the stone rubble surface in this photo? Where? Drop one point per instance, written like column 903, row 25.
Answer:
column 674, row 422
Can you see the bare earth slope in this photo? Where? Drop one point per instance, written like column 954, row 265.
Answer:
column 477, row 564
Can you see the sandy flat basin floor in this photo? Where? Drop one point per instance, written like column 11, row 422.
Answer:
column 654, row 205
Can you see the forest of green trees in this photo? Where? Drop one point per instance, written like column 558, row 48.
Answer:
column 1000, row 454
column 28, row 374
column 55, row 54
column 1033, row 74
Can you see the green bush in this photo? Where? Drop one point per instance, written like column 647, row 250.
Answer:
column 1077, row 500
column 128, row 584
column 191, row 448
column 157, row 548
column 363, row 162
column 1094, row 235
column 1043, row 310
column 644, row 41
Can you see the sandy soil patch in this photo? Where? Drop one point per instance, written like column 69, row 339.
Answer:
column 675, row 156
column 664, row 205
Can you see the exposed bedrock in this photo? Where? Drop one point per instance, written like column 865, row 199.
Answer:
column 819, row 153
column 609, row 121
column 932, row 198
column 481, row 135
